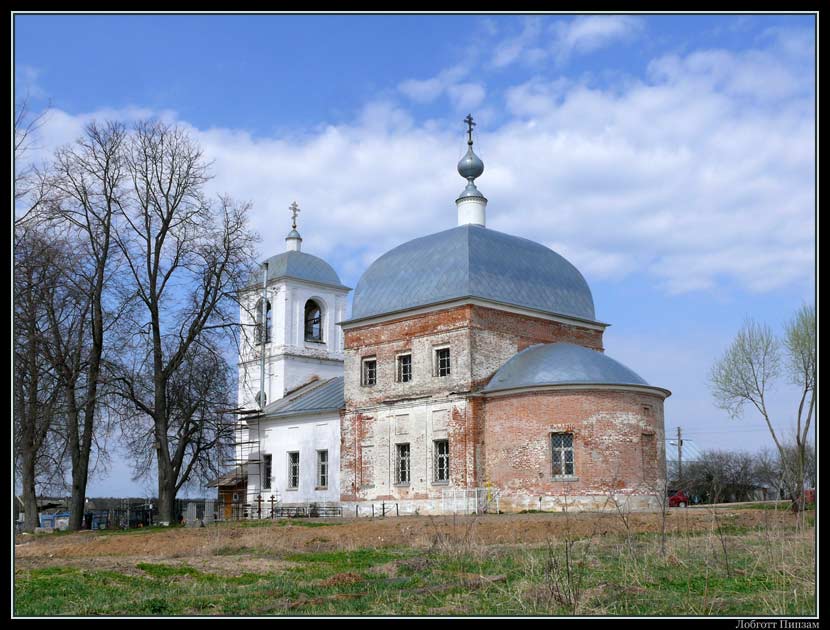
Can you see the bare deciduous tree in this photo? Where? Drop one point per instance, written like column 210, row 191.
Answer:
column 800, row 342
column 85, row 187
column 29, row 185
column 187, row 258
column 199, row 429
column 36, row 388
column 722, row 476
column 753, row 363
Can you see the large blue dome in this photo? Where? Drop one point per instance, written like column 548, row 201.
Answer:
column 472, row 261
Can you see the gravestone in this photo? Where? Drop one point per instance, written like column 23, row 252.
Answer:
column 209, row 514
column 190, row 516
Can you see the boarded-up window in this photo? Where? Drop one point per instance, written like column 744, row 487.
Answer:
column 648, row 442
column 402, row 424
column 440, row 419
column 367, row 466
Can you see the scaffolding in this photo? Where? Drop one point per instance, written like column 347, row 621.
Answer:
column 246, row 467
column 247, row 461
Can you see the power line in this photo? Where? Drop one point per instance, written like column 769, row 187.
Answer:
column 741, row 430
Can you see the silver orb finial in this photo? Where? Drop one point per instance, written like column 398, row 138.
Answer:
column 471, row 203
column 470, row 166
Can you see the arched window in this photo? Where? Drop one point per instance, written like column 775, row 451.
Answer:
column 313, row 322
column 261, row 399
column 259, row 321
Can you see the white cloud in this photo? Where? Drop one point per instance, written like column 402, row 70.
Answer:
column 466, row 95
column 427, row 90
column 695, row 177
column 522, row 46
column 563, row 39
column 462, row 95
column 26, row 83
column 589, row 33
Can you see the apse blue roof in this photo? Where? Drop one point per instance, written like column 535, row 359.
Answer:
column 472, row 261
column 314, row 398
column 300, row 266
column 561, row 364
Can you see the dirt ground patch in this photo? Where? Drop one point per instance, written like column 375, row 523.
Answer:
column 234, row 548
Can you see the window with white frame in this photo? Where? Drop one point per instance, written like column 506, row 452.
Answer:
column 266, row 481
column 441, row 461
column 562, row 451
column 402, row 463
column 322, row 469
column 404, row 368
column 369, row 372
column 442, row 361
column 293, row 470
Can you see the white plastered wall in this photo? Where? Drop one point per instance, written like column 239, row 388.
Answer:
column 306, row 435
column 290, row 360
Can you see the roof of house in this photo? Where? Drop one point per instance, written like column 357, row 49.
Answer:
column 472, row 261
column 231, row 478
column 315, row 397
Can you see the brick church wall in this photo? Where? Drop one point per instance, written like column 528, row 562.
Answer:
column 618, row 445
column 481, row 340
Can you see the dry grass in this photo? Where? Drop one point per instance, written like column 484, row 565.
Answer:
column 734, row 562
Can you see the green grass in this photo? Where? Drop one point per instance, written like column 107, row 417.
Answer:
column 779, row 506
column 760, row 572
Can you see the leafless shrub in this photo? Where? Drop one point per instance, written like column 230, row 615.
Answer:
column 454, row 538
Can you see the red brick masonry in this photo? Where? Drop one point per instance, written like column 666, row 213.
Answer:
column 618, row 443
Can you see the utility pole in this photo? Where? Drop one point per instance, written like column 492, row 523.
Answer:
column 679, row 458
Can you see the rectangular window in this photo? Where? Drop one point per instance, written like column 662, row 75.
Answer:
column 266, row 482
column 322, row 469
column 404, row 368
column 442, row 362
column 441, row 461
column 369, row 374
column 293, row 470
column 402, row 464
column 563, row 454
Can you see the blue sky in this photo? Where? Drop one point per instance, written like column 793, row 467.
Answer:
column 671, row 158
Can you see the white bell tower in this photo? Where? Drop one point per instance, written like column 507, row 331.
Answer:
column 304, row 302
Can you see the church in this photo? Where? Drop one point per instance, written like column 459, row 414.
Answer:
column 471, row 365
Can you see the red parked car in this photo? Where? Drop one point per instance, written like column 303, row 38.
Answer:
column 679, row 499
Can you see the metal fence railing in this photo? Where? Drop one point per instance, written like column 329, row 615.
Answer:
column 469, row 501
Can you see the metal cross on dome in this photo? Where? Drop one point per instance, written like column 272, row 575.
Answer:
column 294, row 210
column 470, row 125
